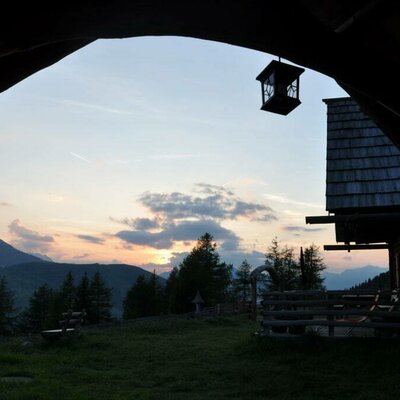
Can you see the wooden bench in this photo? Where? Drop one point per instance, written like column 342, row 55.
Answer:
column 294, row 311
column 71, row 325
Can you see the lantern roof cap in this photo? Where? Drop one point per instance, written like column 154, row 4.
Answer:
column 287, row 71
column 198, row 299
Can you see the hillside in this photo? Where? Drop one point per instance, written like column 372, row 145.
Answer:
column 382, row 281
column 350, row 277
column 23, row 279
column 11, row 256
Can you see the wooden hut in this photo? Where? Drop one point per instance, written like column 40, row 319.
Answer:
column 362, row 184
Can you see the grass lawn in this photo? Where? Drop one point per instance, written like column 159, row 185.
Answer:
column 188, row 359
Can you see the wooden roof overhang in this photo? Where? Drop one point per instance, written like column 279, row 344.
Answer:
column 367, row 230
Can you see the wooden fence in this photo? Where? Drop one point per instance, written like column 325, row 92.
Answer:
column 293, row 311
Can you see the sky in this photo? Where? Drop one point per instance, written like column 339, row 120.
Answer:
column 127, row 151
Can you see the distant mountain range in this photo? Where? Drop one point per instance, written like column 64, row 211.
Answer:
column 350, row 277
column 165, row 274
column 25, row 273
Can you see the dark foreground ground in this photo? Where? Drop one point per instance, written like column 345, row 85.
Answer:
column 187, row 359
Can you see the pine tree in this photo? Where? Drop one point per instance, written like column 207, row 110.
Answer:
column 68, row 293
column 201, row 270
column 83, row 296
column 38, row 313
column 137, row 302
column 6, row 307
column 101, row 300
column 283, row 272
column 56, row 309
column 241, row 284
column 171, row 289
column 313, row 267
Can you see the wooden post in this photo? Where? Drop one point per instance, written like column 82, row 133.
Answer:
column 392, row 265
column 303, row 270
column 331, row 328
column 253, row 283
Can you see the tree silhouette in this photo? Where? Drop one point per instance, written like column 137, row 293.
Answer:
column 101, row 300
column 201, row 270
column 283, row 272
column 6, row 307
column 241, row 284
column 313, row 267
column 37, row 316
column 68, row 293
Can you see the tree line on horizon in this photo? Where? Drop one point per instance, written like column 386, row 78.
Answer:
column 47, row 305
column 202, row 270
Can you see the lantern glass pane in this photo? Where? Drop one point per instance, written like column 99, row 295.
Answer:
column 269, row 87
column 292, row 89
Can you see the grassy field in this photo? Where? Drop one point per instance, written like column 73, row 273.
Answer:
column 188, row 359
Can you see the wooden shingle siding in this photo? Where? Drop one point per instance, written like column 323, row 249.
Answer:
column 358, row 142
column 363, row 187
column 363, row 163
column 352, row 124
column 346, row 116
column 364, row 175
column 353, row 133
column 364, row 201
column 362, row 152
column 363, row 166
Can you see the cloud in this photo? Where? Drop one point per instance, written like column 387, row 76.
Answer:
column 80, row 257
column 79, row 157
column 29, row 239
column 4, row 204
column 206, row 188
column 90, row 239
column 295, row 228
column 173, row 156
column 144, row 224
column 155, row 240
column 265, row 218
column 180, row 217
column 286, row 200
column 181, row 231
column 214, row 202
column 96, row 107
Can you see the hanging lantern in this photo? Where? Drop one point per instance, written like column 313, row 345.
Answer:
column 280, row 87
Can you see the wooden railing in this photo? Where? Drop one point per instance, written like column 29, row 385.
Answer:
column 294, row 311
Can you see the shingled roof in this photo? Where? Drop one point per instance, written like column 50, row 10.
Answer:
column 363, row 165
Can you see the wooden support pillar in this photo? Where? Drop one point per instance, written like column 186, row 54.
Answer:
column 253, row 282
column 394, row 258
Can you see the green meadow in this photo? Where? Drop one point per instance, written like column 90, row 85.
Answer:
column 192, row 359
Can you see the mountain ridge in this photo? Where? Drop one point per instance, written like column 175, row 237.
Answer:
column 24, row 279
column 9, row 255
column 25, row 273
column 351, row 276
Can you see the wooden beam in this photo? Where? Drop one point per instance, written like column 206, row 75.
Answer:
column 321, row 219
column 330, row 219
column 348, row 247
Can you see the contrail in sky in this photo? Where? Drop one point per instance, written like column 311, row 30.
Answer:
column 80, row 157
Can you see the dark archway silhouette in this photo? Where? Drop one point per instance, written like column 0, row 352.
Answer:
column 355, row 42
